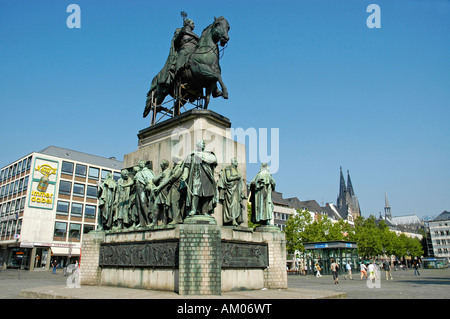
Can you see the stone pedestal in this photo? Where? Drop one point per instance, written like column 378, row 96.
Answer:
column 90, row 272
column 199, row 259
column 195, row 258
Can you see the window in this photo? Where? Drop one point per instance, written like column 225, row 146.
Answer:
column 89, row 211
column 20, row 185
column 19, row 167
column 18, row 204
column 16, row 186
column 65, row 187
column 62, row 208
column 76, row 210
column 1, row 175
column 94, row 173
column 88, row 228
column 116, row 176
column 19, row 226
column 75, row 231
column 60, row 230
column 29, row 163
column 24, row 166
column 14, row 170
column 78, row 189
column 91, row 191
column 67, row 168
column 22, row 204
column 25, row 183
column 80, row 170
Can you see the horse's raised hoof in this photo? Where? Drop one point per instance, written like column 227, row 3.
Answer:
column 217, row 94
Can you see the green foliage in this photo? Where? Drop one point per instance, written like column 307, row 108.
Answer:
column 295, row 229
column 301, row 228
column 372, row 239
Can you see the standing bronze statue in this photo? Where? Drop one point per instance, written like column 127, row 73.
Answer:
column 122, row 202
column 190, row 68
column 176, row 194
column 261, row 189
column 162, row 202
column 143, row 185
column 232, row 194
column 105, row 195
column 198, row 177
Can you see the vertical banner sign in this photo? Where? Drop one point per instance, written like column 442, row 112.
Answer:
column 43, row 183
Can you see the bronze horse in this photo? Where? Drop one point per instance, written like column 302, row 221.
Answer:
column 202, row 71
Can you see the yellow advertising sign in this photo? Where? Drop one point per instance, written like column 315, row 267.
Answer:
column 43, row 183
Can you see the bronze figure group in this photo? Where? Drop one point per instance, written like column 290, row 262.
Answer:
column 142, row 199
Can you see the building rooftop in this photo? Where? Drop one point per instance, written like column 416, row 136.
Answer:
column 445, row 215
column 405, row 220
column 77, row 156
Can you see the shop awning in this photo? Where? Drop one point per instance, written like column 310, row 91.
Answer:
column 64, row 251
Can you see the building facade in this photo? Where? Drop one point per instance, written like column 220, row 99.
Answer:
column 439, row 229
column 48, row 200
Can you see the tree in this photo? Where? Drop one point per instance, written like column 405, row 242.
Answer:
column 294, row 230
column 367, row 237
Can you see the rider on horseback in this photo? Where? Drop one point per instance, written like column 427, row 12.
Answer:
column 185, row 42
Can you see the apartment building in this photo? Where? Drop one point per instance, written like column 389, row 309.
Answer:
column 48, row 200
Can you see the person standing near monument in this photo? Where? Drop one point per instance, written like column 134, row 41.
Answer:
column 261, row 188
column 144, row 182
column 387, row 269
column 348, row 267
column 231, row 193
column 198, row 178
column 105, row 195
column 161, row 204
column 335, row 270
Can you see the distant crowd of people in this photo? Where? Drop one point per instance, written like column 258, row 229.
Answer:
column 368, row 269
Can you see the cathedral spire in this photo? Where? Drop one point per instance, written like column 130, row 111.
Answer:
column 342, row 190
column 349, row 184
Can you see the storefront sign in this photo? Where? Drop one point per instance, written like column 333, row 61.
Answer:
column 43, row 183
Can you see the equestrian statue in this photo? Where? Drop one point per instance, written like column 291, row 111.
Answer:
column 192, row 66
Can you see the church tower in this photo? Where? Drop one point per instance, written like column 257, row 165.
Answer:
column 387, row 209
column 347, row 202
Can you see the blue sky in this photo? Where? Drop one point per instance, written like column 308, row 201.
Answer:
column 374, row 101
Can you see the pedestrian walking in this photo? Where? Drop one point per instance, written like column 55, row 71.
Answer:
column 348, row 267
column 387, row 269
column 318, row 269
column 416, row 267
column 54, row 265
column 363, row 268
column 372, row 271
column 334, row 269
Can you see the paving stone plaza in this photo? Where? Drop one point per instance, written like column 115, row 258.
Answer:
column 431, row 284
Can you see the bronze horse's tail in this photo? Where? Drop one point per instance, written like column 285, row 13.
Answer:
column 148, row 104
